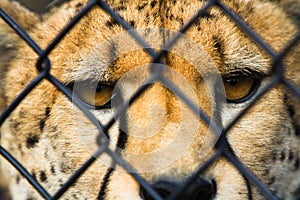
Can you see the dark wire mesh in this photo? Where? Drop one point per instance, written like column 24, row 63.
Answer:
column 221, row 148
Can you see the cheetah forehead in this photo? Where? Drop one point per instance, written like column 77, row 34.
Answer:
column 227, row 47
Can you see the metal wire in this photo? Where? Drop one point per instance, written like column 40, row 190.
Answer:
column 221, row 148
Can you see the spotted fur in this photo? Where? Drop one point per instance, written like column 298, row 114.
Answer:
column 52, row 138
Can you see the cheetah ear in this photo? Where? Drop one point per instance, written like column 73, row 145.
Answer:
column 8, row 38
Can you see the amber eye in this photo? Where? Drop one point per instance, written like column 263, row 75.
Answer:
column 93, row 94
column 239, row 89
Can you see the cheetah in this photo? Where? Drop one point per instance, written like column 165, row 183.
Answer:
column 214, row 64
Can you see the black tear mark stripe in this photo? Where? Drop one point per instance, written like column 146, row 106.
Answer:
column 104, row 184
column 122, row 140
column 123, row 136
column 121, row 144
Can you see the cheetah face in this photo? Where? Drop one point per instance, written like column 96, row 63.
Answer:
column 156, row 127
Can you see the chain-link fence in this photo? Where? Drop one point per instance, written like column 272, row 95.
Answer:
column 222, row 145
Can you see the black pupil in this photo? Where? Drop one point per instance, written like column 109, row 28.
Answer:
column 99, row 87
column 232, row 81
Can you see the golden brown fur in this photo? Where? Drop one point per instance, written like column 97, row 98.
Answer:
column 47, row 134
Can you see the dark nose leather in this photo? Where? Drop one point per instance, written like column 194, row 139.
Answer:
column 200, row 189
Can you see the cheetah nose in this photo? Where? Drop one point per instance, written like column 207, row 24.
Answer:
column 200, row 189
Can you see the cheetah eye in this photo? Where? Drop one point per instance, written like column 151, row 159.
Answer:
column 240, row 89
column 94, row 94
